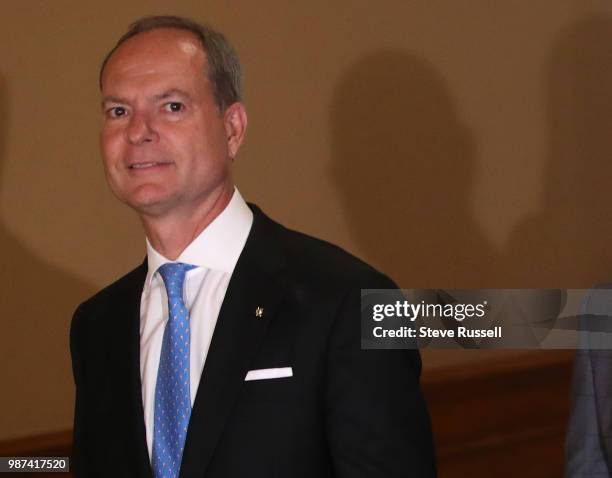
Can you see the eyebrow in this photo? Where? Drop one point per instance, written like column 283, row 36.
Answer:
column 172, row 92
column 113, row 99
column 161, row 96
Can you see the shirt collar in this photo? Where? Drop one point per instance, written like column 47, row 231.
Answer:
column 218, row 246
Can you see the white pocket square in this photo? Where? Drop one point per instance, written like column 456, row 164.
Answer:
column 267, row 373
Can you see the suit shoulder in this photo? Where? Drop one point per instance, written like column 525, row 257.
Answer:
column 598, row 300
column 327, row 263
column 113, row 292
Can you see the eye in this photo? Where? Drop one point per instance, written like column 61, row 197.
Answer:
column 116, row 112
column 174, row 107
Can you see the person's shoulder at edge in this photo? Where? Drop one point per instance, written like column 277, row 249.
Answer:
column 597, row 300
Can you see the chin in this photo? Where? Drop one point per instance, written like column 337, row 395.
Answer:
column 146, row 202
column 148, row 207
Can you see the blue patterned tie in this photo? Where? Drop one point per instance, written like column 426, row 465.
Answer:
column 172, row 398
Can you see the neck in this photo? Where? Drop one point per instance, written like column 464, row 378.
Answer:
column 170, row 235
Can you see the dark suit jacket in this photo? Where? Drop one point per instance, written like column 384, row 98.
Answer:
column 589, row 438
column 344, row 413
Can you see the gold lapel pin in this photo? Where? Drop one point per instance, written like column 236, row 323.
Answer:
column 259, row 312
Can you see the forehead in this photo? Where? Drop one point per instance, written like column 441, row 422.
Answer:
column 154, row 56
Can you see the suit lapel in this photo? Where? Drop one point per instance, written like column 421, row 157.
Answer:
column 132, row 300
column 251, row 301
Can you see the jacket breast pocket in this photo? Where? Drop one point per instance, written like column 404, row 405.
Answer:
column 268, row 401
column 269, row 390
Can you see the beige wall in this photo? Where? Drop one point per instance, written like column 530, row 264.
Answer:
column 449, row 143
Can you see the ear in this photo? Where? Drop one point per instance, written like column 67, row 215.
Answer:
column 235, row 123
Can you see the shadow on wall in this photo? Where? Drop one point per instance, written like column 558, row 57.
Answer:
column 37, row 303
column 404, row 163
column 569, row 242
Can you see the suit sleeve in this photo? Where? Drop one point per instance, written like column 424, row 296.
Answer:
column 376, row 418
column 584, row 452
column 583, row 446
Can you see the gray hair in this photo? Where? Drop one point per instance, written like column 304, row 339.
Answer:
column 223, row 69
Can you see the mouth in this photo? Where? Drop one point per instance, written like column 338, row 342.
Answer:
column 147, row 165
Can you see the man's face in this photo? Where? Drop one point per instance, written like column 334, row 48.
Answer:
column 166, row 147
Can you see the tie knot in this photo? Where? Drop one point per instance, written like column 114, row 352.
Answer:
column 173, row 274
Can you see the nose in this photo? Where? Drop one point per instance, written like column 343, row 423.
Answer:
column 140, row 129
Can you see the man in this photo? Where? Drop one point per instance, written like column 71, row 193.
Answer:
column 234, row 349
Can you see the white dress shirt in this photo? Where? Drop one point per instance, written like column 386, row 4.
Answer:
column 215, row 253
